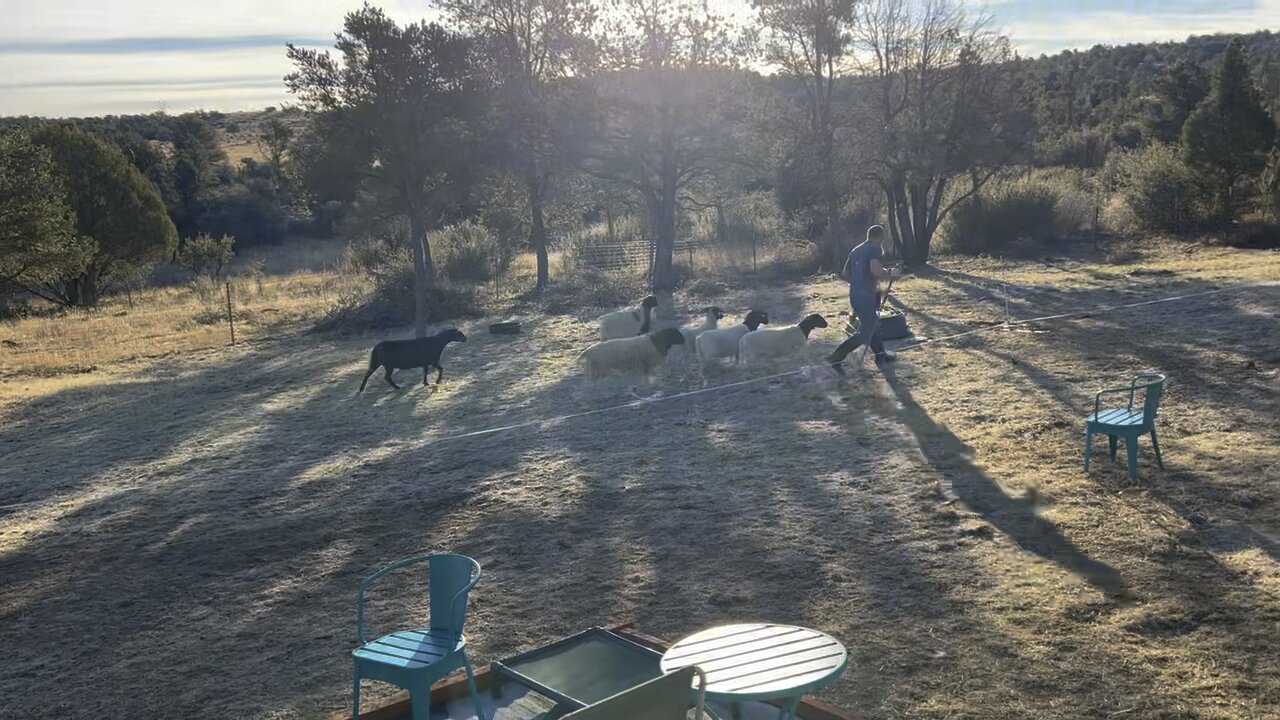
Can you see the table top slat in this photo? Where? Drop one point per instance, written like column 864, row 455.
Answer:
column 707, row 641
column 759, row 661
column 714, row 670
column 785, row 685
column 780, row 642
column 762, row 673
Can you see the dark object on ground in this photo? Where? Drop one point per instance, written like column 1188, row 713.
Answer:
column 402, row 354
column 893, row 325
column 510, row 327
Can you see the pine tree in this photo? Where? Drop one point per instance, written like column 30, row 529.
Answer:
column 1228, row 136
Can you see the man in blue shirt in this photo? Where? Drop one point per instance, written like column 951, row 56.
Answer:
column 863, row 271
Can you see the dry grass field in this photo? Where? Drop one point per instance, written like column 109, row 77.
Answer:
column 183, row 536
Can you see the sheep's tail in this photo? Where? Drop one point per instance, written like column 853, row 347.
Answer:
column 374, row 362
column 584, row 362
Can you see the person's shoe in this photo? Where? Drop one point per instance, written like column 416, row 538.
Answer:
column 887, row 356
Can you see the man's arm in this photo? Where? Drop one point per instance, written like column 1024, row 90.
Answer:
column 878, row 270
column 844, row 271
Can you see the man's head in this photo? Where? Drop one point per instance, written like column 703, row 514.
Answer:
column 875, row 233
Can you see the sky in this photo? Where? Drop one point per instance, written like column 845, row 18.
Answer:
column 64, row 58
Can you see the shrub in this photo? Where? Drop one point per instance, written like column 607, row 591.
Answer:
column 255, row 270
column 469, row 252
column 1158, row 191
column 1270, row 185
column 207, row 255
column 1002, row 214
column 389, row 303
column 251, row 214
column 1085, row 148
column 1257, row 234
column 590, row 287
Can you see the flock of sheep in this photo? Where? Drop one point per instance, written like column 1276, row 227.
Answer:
column 629, row 346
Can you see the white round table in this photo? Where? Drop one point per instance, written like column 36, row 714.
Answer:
column 745, row 663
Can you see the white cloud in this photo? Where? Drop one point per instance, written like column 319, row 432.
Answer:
column 80, row 19
column 1056, row 29
column 39, row 74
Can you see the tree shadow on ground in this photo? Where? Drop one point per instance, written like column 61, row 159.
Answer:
column 1013, row 516
column 1218, row 361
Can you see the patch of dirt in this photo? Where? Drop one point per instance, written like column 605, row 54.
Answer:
column 185, row 538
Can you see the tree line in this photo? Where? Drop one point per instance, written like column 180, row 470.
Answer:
column 899, row 111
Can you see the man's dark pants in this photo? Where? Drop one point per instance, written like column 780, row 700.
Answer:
column 867, row 310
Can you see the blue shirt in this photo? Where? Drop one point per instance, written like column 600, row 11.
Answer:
column 862, row 282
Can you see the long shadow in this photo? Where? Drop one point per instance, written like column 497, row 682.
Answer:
column 261, row 490
column 238, row 552
column 1148, row 338
column 1015, row 517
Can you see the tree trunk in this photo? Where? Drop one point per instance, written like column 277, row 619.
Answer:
column 922, row 232
column 83, row 291
column 894, row 236
column 538, row 228
column 832, row 248
column 901, row 215
column 422, row 271
column 663, row 218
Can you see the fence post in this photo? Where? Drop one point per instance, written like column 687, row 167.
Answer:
column 753, row 252
column 691, row 258
column 230, row 320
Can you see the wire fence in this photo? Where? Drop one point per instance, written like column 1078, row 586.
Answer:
column 619, row 256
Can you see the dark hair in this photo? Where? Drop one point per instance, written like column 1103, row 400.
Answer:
column 875, row 231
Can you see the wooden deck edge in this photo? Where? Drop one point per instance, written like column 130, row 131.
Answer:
column 453, row 687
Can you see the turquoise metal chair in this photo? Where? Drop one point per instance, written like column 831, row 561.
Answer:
column 663, row 698
column 415, row 659
column 1127, row 422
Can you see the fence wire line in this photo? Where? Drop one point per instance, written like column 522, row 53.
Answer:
column 558, row 419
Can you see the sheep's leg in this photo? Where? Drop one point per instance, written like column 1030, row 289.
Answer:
column 426, row 373
column 439, row 374
column 390, row 381
column 367, row 375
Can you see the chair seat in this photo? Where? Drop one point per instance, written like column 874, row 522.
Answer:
column 1117, row 417
column 411, row 648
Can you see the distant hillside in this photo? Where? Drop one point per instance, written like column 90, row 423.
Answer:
column 239, row 132
column 1104, row 81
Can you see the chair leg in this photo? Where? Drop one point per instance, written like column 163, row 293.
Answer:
column 1156, row 444
column 471, row 683
column 1088, row 449
column 355, row 693
column 1112, row 440
column 420, row 702
column 1131, row 450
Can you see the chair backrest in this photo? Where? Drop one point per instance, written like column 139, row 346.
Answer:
column 1154, row 384
column 664, row 698
column 448, row 579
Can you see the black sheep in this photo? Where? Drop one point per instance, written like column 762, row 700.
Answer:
column 401, row 354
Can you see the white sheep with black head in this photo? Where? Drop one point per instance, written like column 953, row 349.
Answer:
column 723, row 342
column 628, row 322
column 691, row 332
column 639, row 356
column 778, row 342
